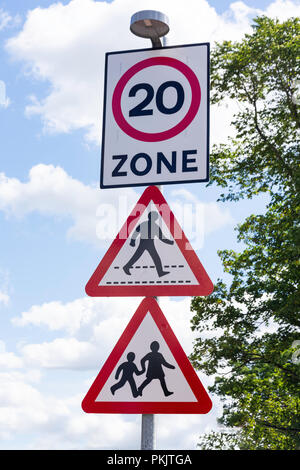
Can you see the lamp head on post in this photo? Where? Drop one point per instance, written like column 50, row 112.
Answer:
column 150, row 24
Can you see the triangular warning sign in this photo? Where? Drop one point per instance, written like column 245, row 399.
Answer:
column 150, row 256
column 147, row 372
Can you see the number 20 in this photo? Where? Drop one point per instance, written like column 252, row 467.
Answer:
column 139, row 110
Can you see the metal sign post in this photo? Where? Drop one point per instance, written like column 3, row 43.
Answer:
column 153, row 25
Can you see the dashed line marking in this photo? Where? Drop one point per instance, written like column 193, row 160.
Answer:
column 149, row 282
column 150, row 266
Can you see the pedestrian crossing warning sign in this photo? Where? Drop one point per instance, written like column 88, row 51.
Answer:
column 150, row 256
column 147, row 372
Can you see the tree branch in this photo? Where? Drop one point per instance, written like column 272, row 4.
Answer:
column 269, row 144
column 279, row 428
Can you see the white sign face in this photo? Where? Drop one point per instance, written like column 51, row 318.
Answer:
column 147, row 347
column 156, row 116
column 150, row 256
column 147, row 371
column 143, row 261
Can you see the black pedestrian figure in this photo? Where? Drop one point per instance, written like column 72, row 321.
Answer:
column 148, row 230
column 128, row 369
column 155, row 371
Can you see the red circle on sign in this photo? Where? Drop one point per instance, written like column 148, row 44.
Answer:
column 168, row 134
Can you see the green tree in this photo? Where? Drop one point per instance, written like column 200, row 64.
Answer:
column 254, row 320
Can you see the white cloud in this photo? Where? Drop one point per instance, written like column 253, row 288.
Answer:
column 51, row 191
column 67, row 353
column 4, row 288
column 9, row 360
column 5, row 19
column 4, row 298
column 4, row 100
column 75, row 315
column 8, row 21
column 96, row 215
column 65, row 46
column 24, row 409
column 283, row 9
column 54, row 423
column 57, row 316
column 91, row 328
column 199, row 218
column 111, row 431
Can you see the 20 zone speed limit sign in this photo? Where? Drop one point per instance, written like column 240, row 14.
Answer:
column 156, row 116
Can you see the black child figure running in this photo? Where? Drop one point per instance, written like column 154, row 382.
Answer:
column 128, row 368
column 155, row 371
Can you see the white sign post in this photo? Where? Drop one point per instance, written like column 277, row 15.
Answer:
column 156, row 117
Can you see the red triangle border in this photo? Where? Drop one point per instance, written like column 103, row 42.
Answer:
column 205, row 286
column 201, row 406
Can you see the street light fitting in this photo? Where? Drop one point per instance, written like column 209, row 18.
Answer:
column 150, row 24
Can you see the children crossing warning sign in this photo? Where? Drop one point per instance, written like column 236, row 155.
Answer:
column 150, row 256
column 147, row 371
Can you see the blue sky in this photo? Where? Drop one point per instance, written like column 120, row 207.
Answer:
column 53, row 337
